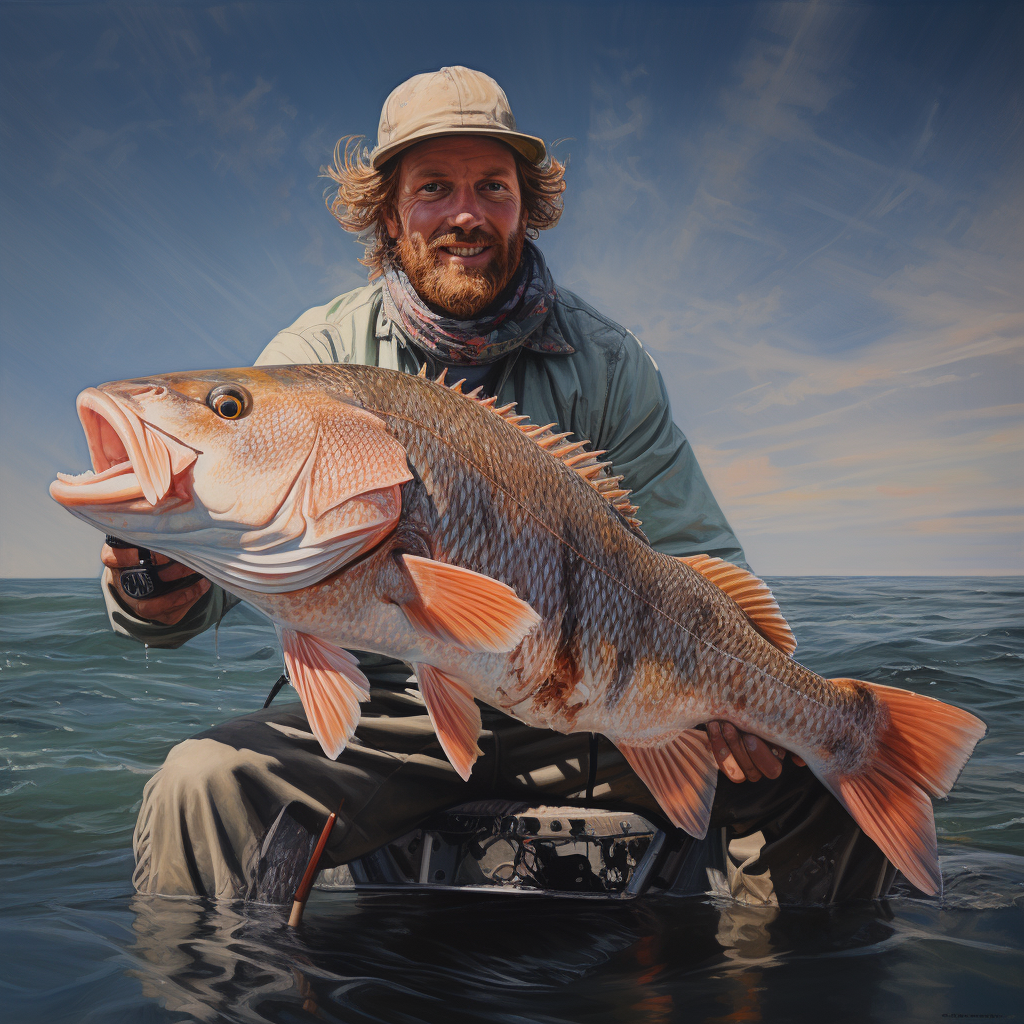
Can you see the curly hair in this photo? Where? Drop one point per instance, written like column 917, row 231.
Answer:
column 363, row 195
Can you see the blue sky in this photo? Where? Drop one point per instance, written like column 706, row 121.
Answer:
column 810, row 214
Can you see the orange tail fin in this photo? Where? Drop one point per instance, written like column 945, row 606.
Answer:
column 922, row 749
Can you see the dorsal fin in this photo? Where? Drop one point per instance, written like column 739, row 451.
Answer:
column 751, row 594
column 585, row 464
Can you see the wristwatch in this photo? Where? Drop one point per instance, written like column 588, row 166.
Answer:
column 141, row 582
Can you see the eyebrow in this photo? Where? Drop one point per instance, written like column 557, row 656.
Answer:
column 493, row 172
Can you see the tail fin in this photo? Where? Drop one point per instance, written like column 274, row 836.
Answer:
column 922, row 749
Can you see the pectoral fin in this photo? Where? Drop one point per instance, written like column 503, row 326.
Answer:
column 682, row 775
column 330, row 685
column 454, row 715
column 460, row 606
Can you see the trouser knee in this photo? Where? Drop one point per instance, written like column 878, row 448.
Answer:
column 200, row 818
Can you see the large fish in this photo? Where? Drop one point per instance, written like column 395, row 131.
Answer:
column 374, row 510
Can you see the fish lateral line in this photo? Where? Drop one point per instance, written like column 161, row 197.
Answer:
column 762, row 672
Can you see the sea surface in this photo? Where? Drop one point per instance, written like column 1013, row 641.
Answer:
column 87, row 717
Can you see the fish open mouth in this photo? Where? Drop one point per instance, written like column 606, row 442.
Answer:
column 132, row 461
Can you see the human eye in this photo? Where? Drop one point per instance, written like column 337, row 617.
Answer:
column 431, row 188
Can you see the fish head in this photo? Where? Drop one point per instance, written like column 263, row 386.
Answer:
column 261, row 479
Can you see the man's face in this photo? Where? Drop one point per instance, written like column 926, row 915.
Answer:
column 458, row 221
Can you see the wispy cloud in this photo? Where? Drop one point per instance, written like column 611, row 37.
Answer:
column 837, row 331
column 251, row 125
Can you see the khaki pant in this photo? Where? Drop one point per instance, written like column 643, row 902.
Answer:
column 212, row 815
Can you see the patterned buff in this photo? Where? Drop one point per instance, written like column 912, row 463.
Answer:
column 478, row 342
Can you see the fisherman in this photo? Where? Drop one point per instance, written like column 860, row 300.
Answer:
column 449, row 204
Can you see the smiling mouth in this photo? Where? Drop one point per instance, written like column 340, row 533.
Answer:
column 131, row 460
column 464, row 251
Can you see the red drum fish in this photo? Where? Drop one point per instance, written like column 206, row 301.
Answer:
column 368, row 509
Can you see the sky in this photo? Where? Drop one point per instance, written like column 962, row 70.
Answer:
column 811, row 215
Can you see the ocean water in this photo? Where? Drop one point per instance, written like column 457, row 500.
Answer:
column 87, row 717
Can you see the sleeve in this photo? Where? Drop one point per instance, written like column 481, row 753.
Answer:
column 207, row 611
column 337, row 332
column 289, row 349
column 679, row 513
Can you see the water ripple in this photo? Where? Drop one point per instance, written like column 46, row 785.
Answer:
column 75, row 946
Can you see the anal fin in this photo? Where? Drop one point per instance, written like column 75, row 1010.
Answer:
column 454, row 715
column 330, row 685
column 682, row 775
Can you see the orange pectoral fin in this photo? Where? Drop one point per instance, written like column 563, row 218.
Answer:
column 464, row 607
column 454, row 715
column 682, row 775
column 921, row 749
column 330, row 685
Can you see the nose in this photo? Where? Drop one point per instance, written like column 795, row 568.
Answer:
column 133, row 394
column 465, row 211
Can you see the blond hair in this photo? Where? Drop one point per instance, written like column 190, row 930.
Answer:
column 364, row 195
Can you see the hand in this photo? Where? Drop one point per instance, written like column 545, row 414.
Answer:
column 167, row 609
column 743, row 756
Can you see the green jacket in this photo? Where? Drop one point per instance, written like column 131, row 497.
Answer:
column 609, row 391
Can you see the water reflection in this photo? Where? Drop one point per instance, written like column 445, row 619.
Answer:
column 451, row 957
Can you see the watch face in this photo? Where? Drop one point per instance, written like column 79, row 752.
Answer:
column 137, row 583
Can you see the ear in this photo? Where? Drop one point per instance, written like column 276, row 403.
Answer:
column 392, row 222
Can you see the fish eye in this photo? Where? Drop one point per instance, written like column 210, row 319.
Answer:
column 229, row 401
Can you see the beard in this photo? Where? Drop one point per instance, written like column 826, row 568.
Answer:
column 459, row 291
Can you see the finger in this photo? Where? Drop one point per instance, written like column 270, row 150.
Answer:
column 119, row 558
column 173, row 618
column 739, row 751
column 781, row 753
column 174, row 612
column 765, row 760
column 723, row 755
column 167, row 603
column 122, row 558
column 173, row 571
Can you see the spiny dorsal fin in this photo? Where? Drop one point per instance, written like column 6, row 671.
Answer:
column 751, row 594
column 585, row 464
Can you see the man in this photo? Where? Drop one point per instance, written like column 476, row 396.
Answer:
column 450, row 200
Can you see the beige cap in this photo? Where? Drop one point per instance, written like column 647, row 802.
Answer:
column 452, row 101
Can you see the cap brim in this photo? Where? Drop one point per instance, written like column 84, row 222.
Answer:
column 528, row 145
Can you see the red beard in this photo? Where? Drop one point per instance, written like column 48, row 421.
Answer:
column 456, row 290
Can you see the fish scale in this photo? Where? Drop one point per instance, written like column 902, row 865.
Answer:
column 369, row 509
